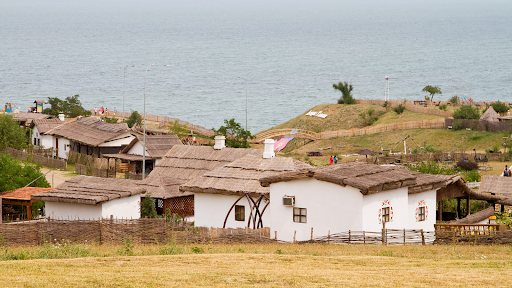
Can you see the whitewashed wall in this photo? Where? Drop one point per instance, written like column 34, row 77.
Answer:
column 127, row 207
column 329, row 207
column 63, row 147
column 121, row 140
column 429, row 198
column 374, row 202
column 46, row 141
column 137, row 149
column 35, row 135
column 60, row 210
column 210, row 210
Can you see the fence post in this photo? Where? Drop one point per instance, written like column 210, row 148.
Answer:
column 349, row 238
column 311, row 234
column 329, row 237
column 422, row 237
column 275, row 233
column 294, row 234
column 364, row 237
column 404, row 236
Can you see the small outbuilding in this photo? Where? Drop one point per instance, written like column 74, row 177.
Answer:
column 86, row 197
column 21, row 197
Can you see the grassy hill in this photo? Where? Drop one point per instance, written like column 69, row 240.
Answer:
column 347, row 117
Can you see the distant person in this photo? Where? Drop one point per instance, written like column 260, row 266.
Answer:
column 29, row 109
column 115, row 111
column 331, row 160
column 508, row 112
column 335, row 159
column 506, row 172
column 95, row 111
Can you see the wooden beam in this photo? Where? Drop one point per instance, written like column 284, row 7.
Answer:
column 459, row 213
column 450, row 191
column 468, row 207
column 440, row 209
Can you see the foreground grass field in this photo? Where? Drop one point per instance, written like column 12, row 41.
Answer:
column 269, row 265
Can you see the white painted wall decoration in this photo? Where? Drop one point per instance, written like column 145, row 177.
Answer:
column 428, row 198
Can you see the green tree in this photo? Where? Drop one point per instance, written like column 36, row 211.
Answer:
column 399, row 109
column 134, row 118
column 71, row 107
column 499, row 107
column 14, row 174
column 346, row 93
column 11, row 134
column 236, row 136
column 432, row 90
column 147, row 207
column 431, row 167
column 111, row 120
column 466, row 112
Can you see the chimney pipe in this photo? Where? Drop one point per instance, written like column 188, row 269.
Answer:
column 269, row 149
column 61, row 117
column 220, row 142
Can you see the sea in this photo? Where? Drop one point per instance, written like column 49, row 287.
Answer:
column 278, row 58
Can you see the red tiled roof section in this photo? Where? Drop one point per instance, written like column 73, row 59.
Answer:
column 24, row 193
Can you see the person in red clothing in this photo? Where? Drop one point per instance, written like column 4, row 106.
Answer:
column 331, row 161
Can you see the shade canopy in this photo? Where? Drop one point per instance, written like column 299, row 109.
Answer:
column 366, row 152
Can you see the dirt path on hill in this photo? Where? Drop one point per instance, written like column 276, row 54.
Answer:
column 57, row 177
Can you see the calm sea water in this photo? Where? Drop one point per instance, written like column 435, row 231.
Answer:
column 290, row 53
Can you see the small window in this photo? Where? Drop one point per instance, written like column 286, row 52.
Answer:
column 160, row 203
column 385, row 214
column 300, row 215
column 421, row 213
column 35, row 141
column 239, row 213
column 38, row 142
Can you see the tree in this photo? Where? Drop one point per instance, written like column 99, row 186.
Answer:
column 111, row 120
column 466, row 112
column 71, row 107
column 11, row 134
column 178, row 129
column 147, row 207
column 399, row 109
column 433, row 90
column 346, row 92
column 134, row 118
column 236, row 136
column 16, row 175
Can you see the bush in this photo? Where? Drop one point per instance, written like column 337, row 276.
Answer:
column 457, row 125
column 499, row 107
column 466, row 112
column 111, row 120
column 147, row 207
column 135, row 118
column 432, row 167
column 472, row 176
column 370, row 116
column 454, row 100
column 399, row 109
column 443, row 107
column 467, row 165
column 430, row 149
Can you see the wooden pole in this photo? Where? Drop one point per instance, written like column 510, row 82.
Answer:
column 364, row 237
column 311, row 234
column 459, row 214
column 468, row 208
column 349, row 237
column 329, row 237
column 383, row 233
column 440, row 208
column 294, row 235
column 404, row 236
column 275, row 232
column 422, row 237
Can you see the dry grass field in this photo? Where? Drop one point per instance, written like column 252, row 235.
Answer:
column 269, row 265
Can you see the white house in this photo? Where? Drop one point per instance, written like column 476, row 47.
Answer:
column 39, row 128
column 353, row 196
column 86, row 197
column 231, row 196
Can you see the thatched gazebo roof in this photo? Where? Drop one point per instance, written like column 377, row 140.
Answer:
column 242, row 176
column 490, row 116
column 90, row 190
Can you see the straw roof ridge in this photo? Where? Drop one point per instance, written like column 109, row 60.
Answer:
column 496, row 184
column 90, row 190
column 476, row 217
column 242, row 176
column 89, row 131
column 156, row 145
column 490, row 115
column 45, row 125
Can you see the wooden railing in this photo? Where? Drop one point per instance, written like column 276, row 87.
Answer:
column 469, row 229
column 299, row 133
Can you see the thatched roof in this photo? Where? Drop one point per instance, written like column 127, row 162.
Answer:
column 496, row 184
column 89, row 131
column 490, row 115
column 45, row 125
column 151, row 131
column 156, row 145
column 183, row 163
column 242, row 176
column 368, row 178
column 90, row 190
column 28, row 117
column 476, row 217
column 126, row 157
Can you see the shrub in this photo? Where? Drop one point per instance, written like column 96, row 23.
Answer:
column 196, row 249
column 430, row 149
column 134, row 118
column 399, row 109
column 431, row 167
column 370, row 116
column 454, row 100
column 443, row 107
column 147, row 207
column 466, row 112
column 111, row 120
column 467, row 165
column 499, row 107
column 472, row 176
column 457, row 125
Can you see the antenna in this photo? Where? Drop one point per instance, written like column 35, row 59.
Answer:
column 386, row 89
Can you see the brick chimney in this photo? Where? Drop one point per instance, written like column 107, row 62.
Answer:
column 220, row 142
column 269, row 149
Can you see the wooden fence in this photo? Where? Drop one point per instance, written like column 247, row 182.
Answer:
column 473, row 234
column 28, row 156
column 97, row 172
column 424, row 124
column 445, row 157
column 502, row 126
column 115, row 231
column 164, row 121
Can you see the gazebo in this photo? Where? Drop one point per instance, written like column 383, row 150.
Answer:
column 22, row 197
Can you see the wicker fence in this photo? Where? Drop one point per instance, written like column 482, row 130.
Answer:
column 448, row 158
column 30, row 156
column 425, row 124
column 115, row 231
column 385, row 237
column 97, row 172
